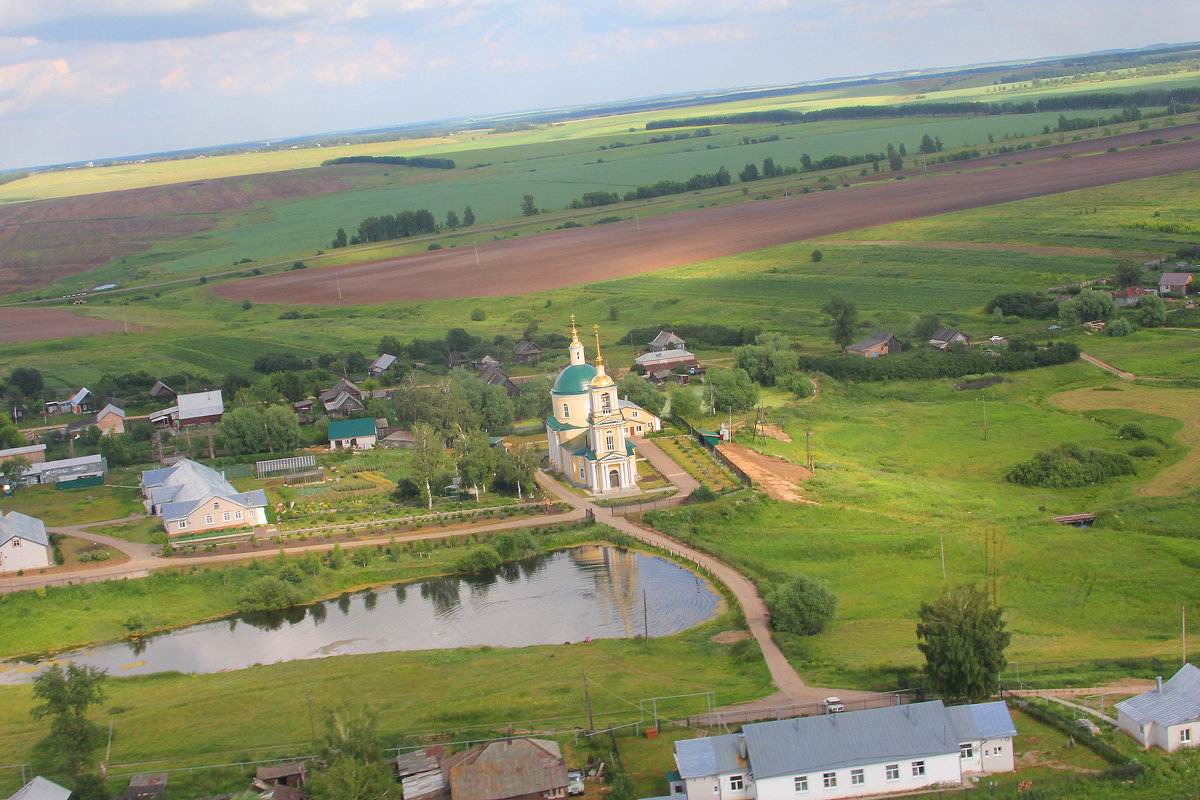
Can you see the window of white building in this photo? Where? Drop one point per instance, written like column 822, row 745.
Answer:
column 736, row 784
column 857, row 778
column 830, row 780
column 893, row 772
column 801, row 783
column 918, row 768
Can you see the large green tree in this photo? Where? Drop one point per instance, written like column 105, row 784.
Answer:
column 802, row 606
column 353, row 754
column 426, row 456
column 843, row 320
column 27, row 379
column 1087, row 306
column 64, row 696
column 528, row 209
column 10, row 436
column 283, row 428
column 962, row 636
column 685, row 402
column 638, row 390
column 1151, row 311
column 731, row 389
column 243, row 431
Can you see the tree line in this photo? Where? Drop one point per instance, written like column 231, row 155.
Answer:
column 659, row 189
column 925, row 364
column 400, row 226
column 402, row 161
column 1074, row 102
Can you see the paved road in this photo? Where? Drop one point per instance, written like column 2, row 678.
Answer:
column 667, row 466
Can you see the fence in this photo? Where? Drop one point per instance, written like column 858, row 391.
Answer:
column 717, row 454
column 647, row 505
column 726, row 719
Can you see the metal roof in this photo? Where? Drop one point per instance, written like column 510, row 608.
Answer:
column 201, row 404
column 712, row 755
column 15, row 524
column 110, row 409
column 982, row 721
column 41, row 789
column 509, row 768
column 1178, row 701
column 807, row 744
column 665, row 338
column 351, row 428
column 95, row 460
column 875, row 339
column 178, row 490
column 77, row 398
column 652, row 359
column 382, row 363
column 22, row 451
column 575, row 379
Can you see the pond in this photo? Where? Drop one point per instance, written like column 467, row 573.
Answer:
column 590, row 591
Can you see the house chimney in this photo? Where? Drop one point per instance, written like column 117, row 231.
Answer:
column 1159, row 681
column 742, row 747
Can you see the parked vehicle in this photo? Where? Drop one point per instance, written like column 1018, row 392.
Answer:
column 574, row 783
column 833, row 705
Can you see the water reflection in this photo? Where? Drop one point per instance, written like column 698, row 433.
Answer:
column 567, row 596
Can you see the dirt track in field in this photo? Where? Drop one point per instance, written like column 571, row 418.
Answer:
column 1182, row 404
column 778, row 478
column 33, row 324
column 585, row 255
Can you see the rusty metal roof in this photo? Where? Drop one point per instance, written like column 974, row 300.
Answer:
column 504, row 769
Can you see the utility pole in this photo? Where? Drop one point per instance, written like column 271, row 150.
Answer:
column 588, row 699
column 808, row 446
column 475, row 242
column 637, row 224
column 942, row 545
column 646, row 617
column 338, row 278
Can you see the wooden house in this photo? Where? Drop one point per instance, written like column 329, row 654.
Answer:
column 877, row 344
column 527, row 352
column 942, row 338
column 1174, row 282
column 665, row 341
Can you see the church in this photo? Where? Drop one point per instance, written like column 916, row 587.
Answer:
column 589, row 429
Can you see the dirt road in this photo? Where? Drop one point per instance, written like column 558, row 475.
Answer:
column 570, row 257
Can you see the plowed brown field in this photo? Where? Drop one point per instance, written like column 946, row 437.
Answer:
column 571, row 257
column 32, row 324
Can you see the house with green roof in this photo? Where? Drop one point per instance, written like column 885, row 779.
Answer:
column 352, row 434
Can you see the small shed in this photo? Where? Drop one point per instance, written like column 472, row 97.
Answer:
column 147, row 784
column 160, row 391
column 942, row 338
column 382, row 365
column 290, row 774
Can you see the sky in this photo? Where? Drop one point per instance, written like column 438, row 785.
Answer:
column 82, row 79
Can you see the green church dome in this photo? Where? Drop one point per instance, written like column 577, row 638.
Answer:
column 575, row 379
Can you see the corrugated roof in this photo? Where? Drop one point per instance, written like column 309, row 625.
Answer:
column 712, row 755
column 509, row 768
column 1174, row 278
column 982, row 721
column 67, row 463
column 796, row 746
column 651, row 359
column 110, row 409
column 178, row 489
column 78, row 397
column 351, row 428
column 1179, row 700
column 382, row 363
column 201, row 404
column 41, row 789
column 22, row 451
column 875, row 339
column 31, row 529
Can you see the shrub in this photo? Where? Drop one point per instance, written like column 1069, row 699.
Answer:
column 481, row 559
column 817, row 255
column 1119, row 327
column 1069, row 466
column 1143, row 450
column 515, row 544
column 478, row 315
column 1132, row 430
column 267, row 594
column 291, row 573
column 802, row 605
column 703, row 494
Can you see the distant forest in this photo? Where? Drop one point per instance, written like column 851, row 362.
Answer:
column 1097, row 100
column 403, row 161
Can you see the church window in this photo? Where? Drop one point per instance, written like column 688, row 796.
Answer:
column 608, row 441
column 566, row 411
column 606, row 402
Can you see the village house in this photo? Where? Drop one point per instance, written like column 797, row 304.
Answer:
column 875, row 345
column 77, row 403
column 65, row 469
column 889, row 750
column 160, row 391
column 192, row 498
column 942, row 338
column 352, row 434
column 639, row 420
column 381, row 365
column 1167, row 716
column 495, row 377
column 1174, row 282
column 510, row 769
column 1131, row 296
column 526, row 352
column 23, row 543
column 33, row 453
column 667, row 359
column 343, row 399
column 665, row 341
column 196, row 408
column 110, row 420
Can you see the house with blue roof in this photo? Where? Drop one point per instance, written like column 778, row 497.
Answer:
column 878, row 751
column 192, row 498
column 1167, row 716
column 23, row 543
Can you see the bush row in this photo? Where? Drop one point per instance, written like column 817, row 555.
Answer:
column 926, row 363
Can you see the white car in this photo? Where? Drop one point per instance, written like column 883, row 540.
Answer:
column 833, row 705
